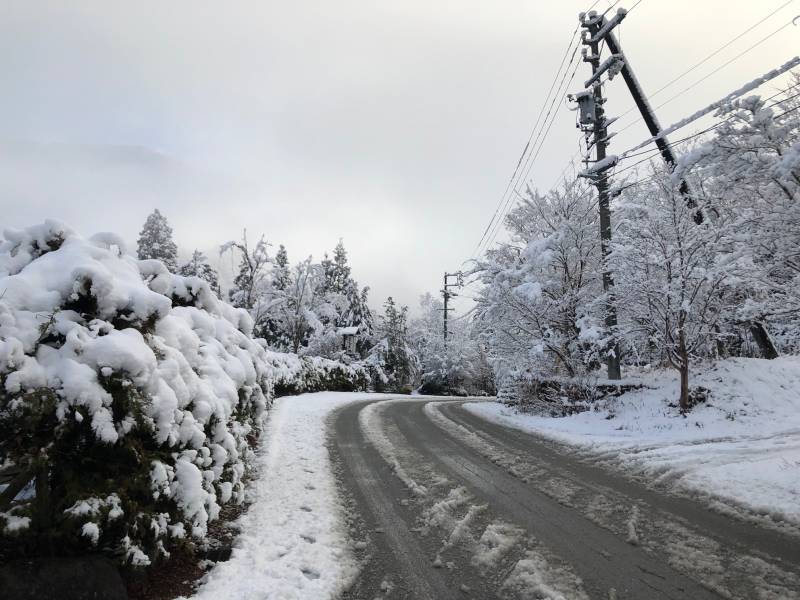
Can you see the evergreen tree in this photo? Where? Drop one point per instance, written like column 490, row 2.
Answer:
column 324, row 285
column 359, row 315
column 339, row 270
column 198, row 267
column 395, row 355
column 281, row 274
column 155, row 241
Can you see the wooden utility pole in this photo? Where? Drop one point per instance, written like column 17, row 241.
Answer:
column 447, row 294
column 598, row 30
column 593, row 117
column 757, row 329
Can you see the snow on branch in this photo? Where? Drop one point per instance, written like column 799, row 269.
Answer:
column 600, row 166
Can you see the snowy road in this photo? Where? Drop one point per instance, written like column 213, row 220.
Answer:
column 444, row 504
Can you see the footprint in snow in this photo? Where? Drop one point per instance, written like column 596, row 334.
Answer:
column 310, row 574
column 306, row 508
column 309, row 539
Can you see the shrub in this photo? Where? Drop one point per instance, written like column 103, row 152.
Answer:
column 294, row 374
column 128, row 396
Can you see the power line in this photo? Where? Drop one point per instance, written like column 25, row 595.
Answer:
column 536, row 143
column 532, row 157
column 652, row 152
column 563, row 86
column 634, row 6
column 536, row 140
column 531, row 137
column 712, row 55
column 714, row 72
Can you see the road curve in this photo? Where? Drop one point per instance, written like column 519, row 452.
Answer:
column 446, row 505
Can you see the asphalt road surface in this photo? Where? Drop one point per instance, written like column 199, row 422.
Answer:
column 444, row 504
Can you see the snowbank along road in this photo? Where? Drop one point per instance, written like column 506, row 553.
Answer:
column 444, row 504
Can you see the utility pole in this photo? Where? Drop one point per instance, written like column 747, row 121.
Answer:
column 594, row 122
column 447, row 294
column 598, row 30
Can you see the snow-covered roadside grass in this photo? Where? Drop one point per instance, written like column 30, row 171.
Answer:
column 293, row 541
column 739, row 450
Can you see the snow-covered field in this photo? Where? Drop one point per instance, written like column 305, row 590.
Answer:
column 293, row 543
column 739, row 450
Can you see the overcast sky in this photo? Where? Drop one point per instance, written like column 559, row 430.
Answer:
column 393, row 125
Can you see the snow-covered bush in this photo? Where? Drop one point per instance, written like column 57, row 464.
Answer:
column 292, row 374
column 128, row 396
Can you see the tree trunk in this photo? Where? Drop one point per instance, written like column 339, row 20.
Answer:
column 684, row 399
column 43, row 509
column 683, row 368
column 763, row 340
column 721, row 350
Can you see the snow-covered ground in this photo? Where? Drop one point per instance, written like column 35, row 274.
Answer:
column 293, row 542
column 739, row 450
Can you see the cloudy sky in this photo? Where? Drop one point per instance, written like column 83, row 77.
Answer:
column 393, row 125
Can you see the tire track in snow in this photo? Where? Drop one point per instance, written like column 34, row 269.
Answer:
column 398, row 553
column 459, row 541
column 602, row 560
column 729, row 557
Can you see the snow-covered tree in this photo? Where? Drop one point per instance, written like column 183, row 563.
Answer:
column 339, row 271
column 538, row 307
column 749, row 173
column 155, row 241
column 252, row 279
column 342, row 304
column 459, row 366
column 685, row 291
column 392, row 355
column 198, row 266
column 672, row 275
column 296, row 310
column 282, row 273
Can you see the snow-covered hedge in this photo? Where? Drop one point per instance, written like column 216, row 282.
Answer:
column 292, row 374
column 128, row 395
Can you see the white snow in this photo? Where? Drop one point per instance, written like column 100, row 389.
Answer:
column 372, row 426
column 600, row 166
column 739, row 450
column 76, row 313
column 91, row 531
column 13, row 522
column 293, row 542
column 537, row 577
column 497, row 540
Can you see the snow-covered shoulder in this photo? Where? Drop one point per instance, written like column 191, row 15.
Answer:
column 293, row 542
column 740, row 449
